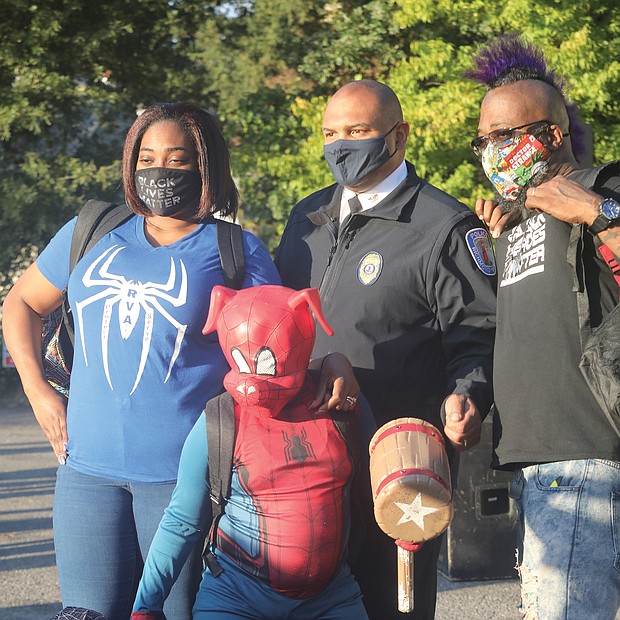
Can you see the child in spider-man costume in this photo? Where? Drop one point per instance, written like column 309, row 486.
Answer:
column 282, row 540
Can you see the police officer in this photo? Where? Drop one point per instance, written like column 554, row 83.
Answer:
column 407, row 280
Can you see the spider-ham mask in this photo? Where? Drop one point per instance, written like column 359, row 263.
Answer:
column 267, row 334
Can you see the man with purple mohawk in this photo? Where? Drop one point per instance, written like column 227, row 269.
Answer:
column 557, row 348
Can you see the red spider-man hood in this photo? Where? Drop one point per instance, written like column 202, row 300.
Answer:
column 267, row 334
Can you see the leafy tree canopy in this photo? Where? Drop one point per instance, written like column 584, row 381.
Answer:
column 73, row 73
column 421, row 48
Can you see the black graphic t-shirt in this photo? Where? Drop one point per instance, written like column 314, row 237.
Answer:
column 545, row 411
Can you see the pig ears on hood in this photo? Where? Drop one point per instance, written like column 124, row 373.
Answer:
column 220, row 296
column 310, row 297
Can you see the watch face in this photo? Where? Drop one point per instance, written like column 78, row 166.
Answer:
column 610, row 208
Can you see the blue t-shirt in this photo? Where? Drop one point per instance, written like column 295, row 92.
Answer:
column 142, row 369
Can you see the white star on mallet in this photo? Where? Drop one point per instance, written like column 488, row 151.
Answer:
column 415, row 512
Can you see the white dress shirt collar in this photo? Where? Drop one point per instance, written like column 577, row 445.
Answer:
column 375, row 194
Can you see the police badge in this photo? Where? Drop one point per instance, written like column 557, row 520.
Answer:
column 481, row 250
column 369, row 268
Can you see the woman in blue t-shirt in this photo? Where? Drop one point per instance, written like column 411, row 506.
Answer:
column 142, row 370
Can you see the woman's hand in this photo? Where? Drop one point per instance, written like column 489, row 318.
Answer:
column 32, row 297
column 338, row 388
column 50, row 410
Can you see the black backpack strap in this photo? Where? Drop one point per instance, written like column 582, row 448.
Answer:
column 220, row 416
column 352, row 427
column 220, row 421
column 346, row 423
column 95, row 219
column 230, row 248
column 594, row 179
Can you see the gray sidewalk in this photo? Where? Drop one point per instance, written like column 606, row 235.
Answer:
column 28, row 584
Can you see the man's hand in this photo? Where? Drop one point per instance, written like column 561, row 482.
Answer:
column 338, row 388
column 568, row 201
column 565, row 200
column 463, row 422
column 494, row 217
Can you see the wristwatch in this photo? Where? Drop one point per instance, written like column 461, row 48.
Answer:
column 608, row 214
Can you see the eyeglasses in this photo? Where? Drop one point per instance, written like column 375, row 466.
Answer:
column 503, row 135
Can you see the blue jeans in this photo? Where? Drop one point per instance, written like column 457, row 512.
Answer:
column 236, row 594
column 102, row 532
column 569, row 539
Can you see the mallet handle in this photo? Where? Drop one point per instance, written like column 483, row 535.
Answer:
column 405, row 580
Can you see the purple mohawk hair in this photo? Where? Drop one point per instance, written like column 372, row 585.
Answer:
column 511, row 59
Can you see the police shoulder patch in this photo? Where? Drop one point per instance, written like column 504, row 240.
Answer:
column 369, row 268
column 481, row 250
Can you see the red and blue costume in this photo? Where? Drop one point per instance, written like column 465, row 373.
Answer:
column 282, row 540
column 286, row 522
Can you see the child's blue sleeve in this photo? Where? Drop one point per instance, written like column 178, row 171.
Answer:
column 185, row 520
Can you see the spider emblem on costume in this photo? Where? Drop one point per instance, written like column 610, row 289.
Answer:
column 131, row 298
column 297, row 447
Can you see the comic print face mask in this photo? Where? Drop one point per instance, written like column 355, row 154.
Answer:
column 267, row 334
column 510, row 165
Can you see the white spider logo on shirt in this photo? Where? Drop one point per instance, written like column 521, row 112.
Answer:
column 131, row 297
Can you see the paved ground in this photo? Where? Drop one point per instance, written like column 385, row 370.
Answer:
column 28, row 585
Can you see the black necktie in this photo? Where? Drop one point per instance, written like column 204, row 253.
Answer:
column 355, row 205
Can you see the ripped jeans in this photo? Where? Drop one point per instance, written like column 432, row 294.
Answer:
column 568, row 554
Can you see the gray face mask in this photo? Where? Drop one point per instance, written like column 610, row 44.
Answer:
column 165, row 191
column 351, row 160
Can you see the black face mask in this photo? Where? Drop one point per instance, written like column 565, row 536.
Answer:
column 165, row 191
column 351, row 160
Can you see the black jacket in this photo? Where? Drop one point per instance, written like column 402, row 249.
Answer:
column 409, row 305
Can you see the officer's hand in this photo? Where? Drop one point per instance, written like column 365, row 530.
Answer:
column 463, row 422
column 338, row 388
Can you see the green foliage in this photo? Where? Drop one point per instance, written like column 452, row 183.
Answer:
column 422, row 50
column 354, row 41
column 278, row 161
column 275, row 122
column 580, row 39
column 74, row 72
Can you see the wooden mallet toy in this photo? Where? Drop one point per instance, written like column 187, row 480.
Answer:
column 412, row 491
